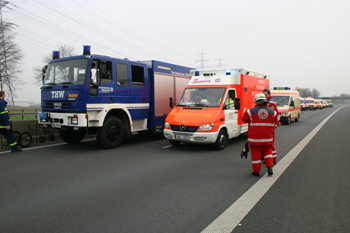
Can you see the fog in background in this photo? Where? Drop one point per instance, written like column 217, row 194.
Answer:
column 299, row 43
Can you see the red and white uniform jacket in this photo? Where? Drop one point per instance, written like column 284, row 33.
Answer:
column 261, row 124
column 273, row 106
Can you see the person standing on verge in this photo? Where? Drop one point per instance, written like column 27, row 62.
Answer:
column 6, row 124
column 261, row 125
column 273, row 106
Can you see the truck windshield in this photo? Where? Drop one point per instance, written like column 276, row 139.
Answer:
column 66, row 72
column 281, row 100
column 202, row 97
column 302, row 101
column 310, row 101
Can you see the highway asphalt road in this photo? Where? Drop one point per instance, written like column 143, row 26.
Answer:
column 146, row 185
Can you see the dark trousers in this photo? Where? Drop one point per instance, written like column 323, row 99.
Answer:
column 10, row 137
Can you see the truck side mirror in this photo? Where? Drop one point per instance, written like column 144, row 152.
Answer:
column 171, row 103
column 43, row 72
column 237, row 103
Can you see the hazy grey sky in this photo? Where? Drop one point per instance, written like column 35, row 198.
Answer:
column 303, row 43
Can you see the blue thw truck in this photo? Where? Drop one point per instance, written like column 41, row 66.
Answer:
column 108, row 97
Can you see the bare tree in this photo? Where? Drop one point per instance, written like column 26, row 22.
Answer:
column 304, row 92
column 65, row 51
column 10, row 61
column 316, row 93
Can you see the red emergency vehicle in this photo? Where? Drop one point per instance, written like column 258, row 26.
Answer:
column 212, row 105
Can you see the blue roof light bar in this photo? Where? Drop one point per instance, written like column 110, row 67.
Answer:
column 55, row 55
column 86, row 50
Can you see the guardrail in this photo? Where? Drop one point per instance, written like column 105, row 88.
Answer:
column 23, row 114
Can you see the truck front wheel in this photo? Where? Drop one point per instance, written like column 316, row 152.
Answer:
column 112, row 133
column 221, row 141
column 71, row 137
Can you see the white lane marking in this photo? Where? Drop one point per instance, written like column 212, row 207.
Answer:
column 164, row 147
column 234, row 214
column 38, row 147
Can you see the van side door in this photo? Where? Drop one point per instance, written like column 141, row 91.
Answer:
column 231, row 115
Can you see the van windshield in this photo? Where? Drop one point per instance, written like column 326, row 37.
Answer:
column 281, row 100
column 302, row 101
column 310, row 101
column 202, row 97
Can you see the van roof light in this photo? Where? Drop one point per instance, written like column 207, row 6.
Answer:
column 281, row 88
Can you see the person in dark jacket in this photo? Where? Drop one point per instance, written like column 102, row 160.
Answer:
column 261, row 126
column 6, row 124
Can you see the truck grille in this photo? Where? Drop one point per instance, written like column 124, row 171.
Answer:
column 186, row 129
column 59, row 105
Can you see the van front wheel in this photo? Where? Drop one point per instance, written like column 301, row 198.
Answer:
column 221, row 141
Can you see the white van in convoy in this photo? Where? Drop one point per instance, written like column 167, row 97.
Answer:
column 288, row 103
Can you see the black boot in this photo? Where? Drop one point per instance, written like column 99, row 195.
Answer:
column 17, row 150
column 256, row 173
column 269, row 171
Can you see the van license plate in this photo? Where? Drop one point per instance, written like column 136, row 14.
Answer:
column 182, row 137
column 56, row 125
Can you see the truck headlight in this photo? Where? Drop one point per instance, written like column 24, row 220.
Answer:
column 74, row 120
column 284, row 113
column 167, row 125
column 206, row 127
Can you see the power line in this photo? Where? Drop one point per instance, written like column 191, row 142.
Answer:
column 202, row 60
column 220, row 65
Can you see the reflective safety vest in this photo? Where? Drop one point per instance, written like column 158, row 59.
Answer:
column 230, row 102
column 261, row 124
column 4, row 115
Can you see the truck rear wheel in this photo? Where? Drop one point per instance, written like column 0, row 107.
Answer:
column 112, row 133
column 221, row 141
column 71, row 137
column 297, row 119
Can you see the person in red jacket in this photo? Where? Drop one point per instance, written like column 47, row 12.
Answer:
column 273, row 106
column 261, row 125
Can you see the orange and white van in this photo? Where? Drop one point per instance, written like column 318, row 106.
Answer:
column 319, row 104
column 288, row 103
column 212, row 105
